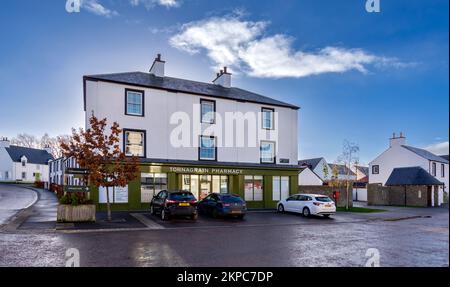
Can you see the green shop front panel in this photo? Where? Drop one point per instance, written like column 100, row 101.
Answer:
column 236, row 183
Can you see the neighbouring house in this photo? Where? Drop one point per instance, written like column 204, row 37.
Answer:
column 318, row 166
column 343, row 172
column 360, row 184
column 57, row 172
column 362, row 173
column 150, row 107
column 388, row 169
column 23, row 164
column 308, row 177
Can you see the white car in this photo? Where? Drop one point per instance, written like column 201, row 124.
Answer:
column 308, row 204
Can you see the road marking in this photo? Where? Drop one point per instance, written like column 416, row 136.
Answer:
column 146, row 221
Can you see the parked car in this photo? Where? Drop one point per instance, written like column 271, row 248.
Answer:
column 174, row 203
column 217, row 205
column 308, row 204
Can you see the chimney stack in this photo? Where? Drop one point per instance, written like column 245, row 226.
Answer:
column 397, row 141
column 157, row 68
column 48, row 149
column 4, row 142
column 223, row 78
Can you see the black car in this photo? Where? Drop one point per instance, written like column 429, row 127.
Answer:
column 217, row 205
column 174, row 203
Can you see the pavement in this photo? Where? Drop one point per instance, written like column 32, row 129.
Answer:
column 401, row 236
column 14, row 199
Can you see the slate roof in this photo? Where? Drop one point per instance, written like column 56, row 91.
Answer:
column 425, row 154
column 363, row 169
column 342, row 169
column 445, row 156
column 36, row 156
column 411, row 176
column 180, row 85
column 312, row 162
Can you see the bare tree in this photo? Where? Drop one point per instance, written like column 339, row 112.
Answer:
column 349, row 158
column 26, row 140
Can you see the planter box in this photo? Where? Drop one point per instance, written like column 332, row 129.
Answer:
column 79, row 213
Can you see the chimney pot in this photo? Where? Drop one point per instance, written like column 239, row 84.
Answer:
column 393, row 135
column 225, row 69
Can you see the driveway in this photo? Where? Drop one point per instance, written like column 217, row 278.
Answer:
column 13, row 199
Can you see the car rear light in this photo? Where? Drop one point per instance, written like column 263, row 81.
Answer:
column 169, row 202
column 193, row 202
column 227, row 204
column 317, row 203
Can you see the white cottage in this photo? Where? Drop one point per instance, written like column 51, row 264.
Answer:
column 400, row 155
column 23, row 164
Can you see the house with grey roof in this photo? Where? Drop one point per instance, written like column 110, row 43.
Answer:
column 406, row 165
column 316, row 166
column 23, row 164
column 205, row 137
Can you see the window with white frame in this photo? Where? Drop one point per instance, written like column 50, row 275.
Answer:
column 207, row 148
column 208, row 110
column 442, row 170
column 134, row 143
column 253, row 188
column 267, row 118
column 134, row 103
column 433, row 169
column 267, row 152
column 280, row 185
column 24, row 175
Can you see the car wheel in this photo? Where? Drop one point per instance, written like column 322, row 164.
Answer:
column 194, row 216
column 215, row 214
column 241, row 217
column 280, row 208
column 152, row 210
column 306, row 212
column 164, row 215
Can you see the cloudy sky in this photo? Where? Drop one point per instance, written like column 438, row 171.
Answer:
column 356, row 75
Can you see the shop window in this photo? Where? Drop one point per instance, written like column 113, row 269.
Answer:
column 134, row 103
column 280, row 188
column 134, row 143
column 203, row 185
column 151, row 185
column 253, row 188
column 208, row 110
column 267, row 152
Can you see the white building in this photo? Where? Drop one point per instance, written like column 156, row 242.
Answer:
column 308, row 177
column 400, row 155
column 324, row 170
column 22, row 163
column 57, row 170
column 181, row 131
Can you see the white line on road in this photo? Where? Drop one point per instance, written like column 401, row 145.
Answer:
column 146, row 221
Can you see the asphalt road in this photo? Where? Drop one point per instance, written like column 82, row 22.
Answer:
column 14, row 199
column 296, row 241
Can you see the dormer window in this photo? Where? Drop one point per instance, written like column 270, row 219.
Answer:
column 24, row 161
column 134, row 103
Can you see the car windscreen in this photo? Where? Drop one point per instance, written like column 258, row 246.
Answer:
column 182, row 196
column 323, row 199
column 231, row 199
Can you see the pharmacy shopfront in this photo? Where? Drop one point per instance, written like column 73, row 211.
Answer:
column 261, row 186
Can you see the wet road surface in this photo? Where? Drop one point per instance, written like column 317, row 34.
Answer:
column 13, row 199
column 296, row 241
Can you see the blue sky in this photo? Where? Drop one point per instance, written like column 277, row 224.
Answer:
column 356, row 75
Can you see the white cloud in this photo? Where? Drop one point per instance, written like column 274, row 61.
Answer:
column 244, row 45
column 152, row 3
column 95, row 7
column 441, row 148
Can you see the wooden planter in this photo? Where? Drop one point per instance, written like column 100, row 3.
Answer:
column 78, row 213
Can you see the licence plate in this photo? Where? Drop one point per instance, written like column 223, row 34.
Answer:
column 184, row 204
column 328, row 205
column 236, row 212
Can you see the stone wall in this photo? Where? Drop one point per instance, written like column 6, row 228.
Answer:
column 328, row 191
column 414, row 195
